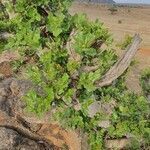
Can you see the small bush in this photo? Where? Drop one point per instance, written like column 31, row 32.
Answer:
column 145, row 82
column 113, row 10
column 129, row 10
column 126, row 42
column 119, row 21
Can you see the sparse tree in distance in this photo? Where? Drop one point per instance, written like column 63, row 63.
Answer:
column 113, row 9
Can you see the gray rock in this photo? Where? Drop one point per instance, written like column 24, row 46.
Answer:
column 99, row 107
column 107, row 108
column 94, row 108
column 11, row 140
column 3, row 92
column 11, row 92
column 104, row 124
column 7, row 138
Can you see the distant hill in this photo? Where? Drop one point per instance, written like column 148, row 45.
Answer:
column 97, row 1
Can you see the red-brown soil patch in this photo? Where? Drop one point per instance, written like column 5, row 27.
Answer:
column 133, row 77
column 144, row 52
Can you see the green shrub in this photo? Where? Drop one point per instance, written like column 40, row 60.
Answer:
column 145, row 81
column 113, row 9
column 127, row 41
column 43, row 29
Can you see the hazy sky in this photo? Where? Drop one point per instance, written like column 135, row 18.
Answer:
column 133, row 1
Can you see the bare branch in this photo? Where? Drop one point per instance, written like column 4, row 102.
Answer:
column 69, row 46
column 122, row 64
column 89, row 68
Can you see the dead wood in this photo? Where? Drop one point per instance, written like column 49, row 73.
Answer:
column 89, row 68
column 73, row 56
column 122, row 64
column 71, row 51
column 117, row 143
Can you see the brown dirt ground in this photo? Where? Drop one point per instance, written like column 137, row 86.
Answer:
column 143, row 61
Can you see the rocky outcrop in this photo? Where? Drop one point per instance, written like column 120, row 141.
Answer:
column 20, row 130
column 11, row 135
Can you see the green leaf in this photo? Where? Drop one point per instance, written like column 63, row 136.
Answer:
column 67, row 98
column 61, row 84
column 34, row 74
column 72, row 66
column 55, row 24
